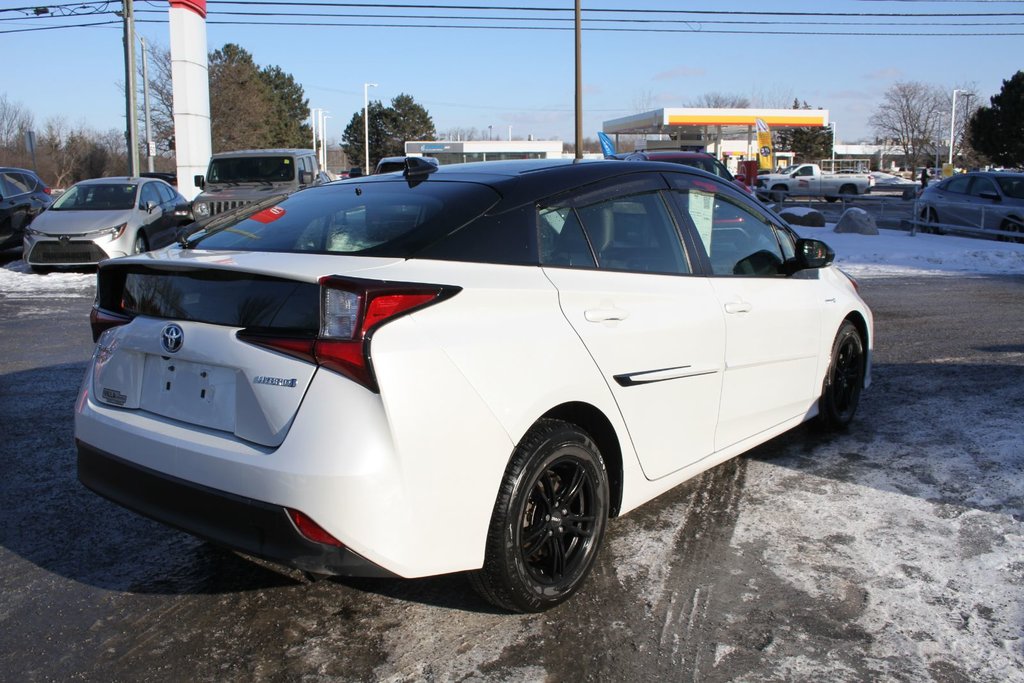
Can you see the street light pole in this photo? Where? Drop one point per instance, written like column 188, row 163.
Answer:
column 952, row 123
column 323, row 139
column 366, row 125
column 832, row 125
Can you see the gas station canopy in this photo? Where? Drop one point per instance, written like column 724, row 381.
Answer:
column 733, row 122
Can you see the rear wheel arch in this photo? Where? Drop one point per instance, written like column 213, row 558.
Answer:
column 593, row 421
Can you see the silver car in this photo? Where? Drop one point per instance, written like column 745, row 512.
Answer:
column 975, row 202
column 105, row 218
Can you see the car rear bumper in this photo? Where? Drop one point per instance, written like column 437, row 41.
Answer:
column 244, row 524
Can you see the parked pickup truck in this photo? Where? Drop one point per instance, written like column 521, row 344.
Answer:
column 808, row 180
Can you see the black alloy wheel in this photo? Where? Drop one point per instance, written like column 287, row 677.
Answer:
column 840, row 393
column 548, row 521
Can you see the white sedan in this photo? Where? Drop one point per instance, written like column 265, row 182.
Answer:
column 465, row 368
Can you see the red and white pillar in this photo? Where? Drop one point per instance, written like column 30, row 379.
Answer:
column 191, row 86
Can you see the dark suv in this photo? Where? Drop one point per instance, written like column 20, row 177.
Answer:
column 701, row 160
column 22, row 197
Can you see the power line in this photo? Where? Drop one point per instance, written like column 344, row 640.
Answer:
column 445, row 17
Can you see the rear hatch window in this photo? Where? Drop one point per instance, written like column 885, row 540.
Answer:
column 393, row 219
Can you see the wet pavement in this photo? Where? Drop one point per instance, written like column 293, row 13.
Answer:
column 892, row 552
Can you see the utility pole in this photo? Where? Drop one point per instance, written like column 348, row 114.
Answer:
column 131, row 122
column 579, row 87
column 366, row 126
column 150, row 151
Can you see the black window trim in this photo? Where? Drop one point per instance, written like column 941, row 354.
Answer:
column 613, row 188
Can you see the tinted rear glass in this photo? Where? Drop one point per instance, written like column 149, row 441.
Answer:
column 371, row 219
column 223, row 298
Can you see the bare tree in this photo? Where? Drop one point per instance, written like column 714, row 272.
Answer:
column 15, row 120
column 715, row 100
column 776, row 98
column 911, row 116
column 161, row 97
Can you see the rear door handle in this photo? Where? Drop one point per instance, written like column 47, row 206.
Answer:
column 601, row 315
column 738, row 307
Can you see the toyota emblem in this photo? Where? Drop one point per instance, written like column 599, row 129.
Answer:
column 171, row 338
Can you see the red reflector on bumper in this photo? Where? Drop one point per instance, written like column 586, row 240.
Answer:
column 311, row 530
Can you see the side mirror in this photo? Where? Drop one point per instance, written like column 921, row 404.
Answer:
column 305, row 177
column 812, row 254
column 199, row 181
column 149, row 206
column 183, row 213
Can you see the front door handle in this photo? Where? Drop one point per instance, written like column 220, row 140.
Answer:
column 601, row 315
column 738, row 307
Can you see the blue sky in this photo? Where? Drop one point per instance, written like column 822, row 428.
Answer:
column 475, row 78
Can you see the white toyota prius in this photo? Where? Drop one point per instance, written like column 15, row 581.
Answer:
column 465, row 368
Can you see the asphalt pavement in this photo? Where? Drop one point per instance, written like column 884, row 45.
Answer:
column 892, row 552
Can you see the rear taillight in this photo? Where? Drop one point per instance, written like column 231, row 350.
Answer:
column 351, row 310
column 47, row 190
column 102, row 320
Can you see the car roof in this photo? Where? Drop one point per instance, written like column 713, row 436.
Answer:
column 261, row 152
column 4, row 169
column 674, row 154
column 525, row 180
column 115, row 179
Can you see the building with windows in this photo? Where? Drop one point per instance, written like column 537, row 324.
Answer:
column 462, row 151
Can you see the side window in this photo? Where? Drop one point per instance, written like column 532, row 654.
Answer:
column 16, row 184
column 737, row 241
column 149, row 194
column 634, row 233
column 166, row 193
column 982, row 185
column 958, row 184
column 561, row 239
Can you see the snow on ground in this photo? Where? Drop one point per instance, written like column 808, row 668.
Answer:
column 889, row 254
column 17, row 281
column 896, row 253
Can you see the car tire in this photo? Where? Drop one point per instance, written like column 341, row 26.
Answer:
column 779, row 194
column 1011, row 226
column 141, row 244
column 840, row 392
column 548, row 521
column 931, row 220
column 848, row 190
column 41, row 270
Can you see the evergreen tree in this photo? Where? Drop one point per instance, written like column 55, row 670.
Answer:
column 389, row 129
column 807, row 144
column 289, row 122
column 241, row 102
column 998, row 131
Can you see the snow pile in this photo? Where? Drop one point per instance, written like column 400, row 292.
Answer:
column 17, row 281
column 896, row 253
